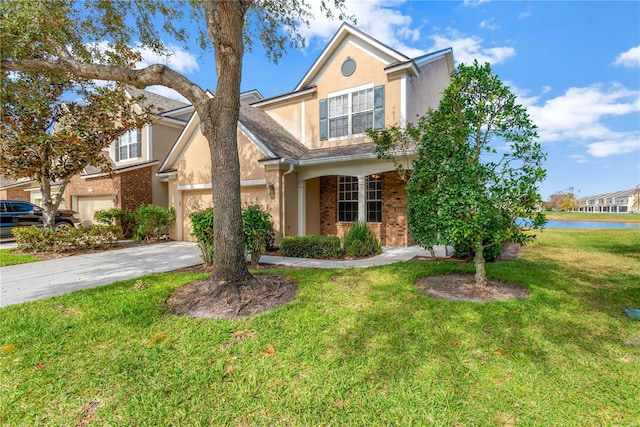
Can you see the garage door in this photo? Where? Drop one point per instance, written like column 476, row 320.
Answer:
column 193, row 201
column 88, row 205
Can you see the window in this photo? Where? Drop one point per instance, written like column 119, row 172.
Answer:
column 352, row 113
column 374, row 198
column 347, row 199
column 129, row 146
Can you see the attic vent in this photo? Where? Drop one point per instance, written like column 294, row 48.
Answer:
column 348, row 67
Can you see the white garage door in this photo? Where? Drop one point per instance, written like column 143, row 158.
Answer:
column 88, row 205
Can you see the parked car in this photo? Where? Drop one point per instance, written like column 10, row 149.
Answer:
column 18, row 213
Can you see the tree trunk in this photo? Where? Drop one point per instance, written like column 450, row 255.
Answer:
column 49, row 208
column 218, row 122
column 478, row 261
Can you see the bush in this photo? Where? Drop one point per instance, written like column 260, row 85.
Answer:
column 361, row 241
column 123, row 218
column 202, row 230
column 311, row 247
column 258, row 232
column 152, row 222
column 464, row 251
column 42, row 239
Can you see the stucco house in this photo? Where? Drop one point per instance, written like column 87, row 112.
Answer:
column 625, row 201
column 135, row 157
column 304, row 155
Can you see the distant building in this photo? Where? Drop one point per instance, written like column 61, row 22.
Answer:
column 617, row 202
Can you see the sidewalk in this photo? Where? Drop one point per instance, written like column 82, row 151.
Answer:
column 36, row 280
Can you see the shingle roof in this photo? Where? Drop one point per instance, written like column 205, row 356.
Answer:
column 363, row 149
column 159, row 102
column 10, row 182
column 276, row 138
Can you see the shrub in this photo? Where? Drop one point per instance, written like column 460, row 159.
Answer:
column 464, row 250
column 152, row 222
column 43, row 239
column 202, row 230
column 311, row 247
column 258, row 232
column 123, row 218
column 361, row 241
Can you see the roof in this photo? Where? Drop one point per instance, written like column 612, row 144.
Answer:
column 159, row 102
column 272, row 135
column 6, row 182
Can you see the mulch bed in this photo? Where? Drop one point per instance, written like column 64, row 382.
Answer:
column 462, row 287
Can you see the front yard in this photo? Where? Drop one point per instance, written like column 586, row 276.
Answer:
column 355, row 347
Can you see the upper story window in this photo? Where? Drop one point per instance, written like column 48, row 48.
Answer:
column 129, row 146
column 352, row 112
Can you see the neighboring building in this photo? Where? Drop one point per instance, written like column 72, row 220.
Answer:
column 12, row 189
column 135, row 157
column 304, row 155
column 617, row 202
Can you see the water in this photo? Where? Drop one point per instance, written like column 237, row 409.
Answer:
column 590, row 224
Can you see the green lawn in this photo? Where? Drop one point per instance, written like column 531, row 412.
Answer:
column 356, row 347
column 593, row 216
column 9, row 258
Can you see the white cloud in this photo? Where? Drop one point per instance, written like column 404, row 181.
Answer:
column 525, row 14
column 489, row 24
column 579, row 158
column 179, row 59
column 474, row 3
column 578, row 116
column 630, row 58
column 376, row 18
column 468, row 48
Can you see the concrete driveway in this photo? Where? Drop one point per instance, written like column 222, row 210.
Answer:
column 36, row 280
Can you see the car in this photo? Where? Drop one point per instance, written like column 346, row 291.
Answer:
column 18, row 213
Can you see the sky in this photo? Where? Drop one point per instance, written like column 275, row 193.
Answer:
column 574, row 65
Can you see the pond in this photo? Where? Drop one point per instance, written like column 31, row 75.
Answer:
column 590, row 224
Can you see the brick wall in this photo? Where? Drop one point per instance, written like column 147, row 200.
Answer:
column 15, row 193
column 392, row 231
column 135, row 188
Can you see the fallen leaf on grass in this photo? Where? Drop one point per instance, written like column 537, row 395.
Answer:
column 228, row 369
column 455, row 342
column 39, row 366
column 497, row 352
column 270, row 351
column 8, row 347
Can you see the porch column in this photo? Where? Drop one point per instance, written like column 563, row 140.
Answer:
column 362, row 198
column 302, row 208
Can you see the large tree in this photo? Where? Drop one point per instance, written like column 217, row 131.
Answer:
column 477, row 166
column 52, row 127
column 94, row 39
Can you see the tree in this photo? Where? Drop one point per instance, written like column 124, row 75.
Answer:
column 466, row 187
column 94, row 40
column 563, row 201
column 50, row 139
column 636, row 199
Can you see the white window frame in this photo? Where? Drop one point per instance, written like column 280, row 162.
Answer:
column 349, row 113
column 130, row 141
column 340, row 193
column 370, row 199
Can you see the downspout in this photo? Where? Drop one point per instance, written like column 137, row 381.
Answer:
column 282, row 198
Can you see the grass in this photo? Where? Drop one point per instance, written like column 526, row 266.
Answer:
column 593, row 216
column 356, row 347
column 8, row 258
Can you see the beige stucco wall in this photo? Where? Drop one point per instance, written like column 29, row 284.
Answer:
column 433, row 79
column 163, row 136
column 369, row 70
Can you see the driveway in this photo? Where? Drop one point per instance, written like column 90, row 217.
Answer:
column 36, row 280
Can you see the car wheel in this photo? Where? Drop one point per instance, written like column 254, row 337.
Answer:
column 63, row 226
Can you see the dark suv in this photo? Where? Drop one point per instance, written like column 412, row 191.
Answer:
column 18, row 213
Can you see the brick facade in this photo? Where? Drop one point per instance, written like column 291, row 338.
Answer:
column 133, row 188
column 392, row 231
column 15, row 193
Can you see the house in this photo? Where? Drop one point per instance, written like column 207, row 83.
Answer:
column 135, row 157
column 304, row 155
column 626, row 201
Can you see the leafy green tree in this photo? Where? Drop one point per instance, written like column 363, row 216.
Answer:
column 95, row 39
column 47, row 137
column 477, row 167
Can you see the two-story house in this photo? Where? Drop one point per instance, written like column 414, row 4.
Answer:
column 304, row 155
column 135, row 157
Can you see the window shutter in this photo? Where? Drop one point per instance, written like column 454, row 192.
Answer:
column 324, row 123
column 117, row 149
column 139, row 143
column 378, row 107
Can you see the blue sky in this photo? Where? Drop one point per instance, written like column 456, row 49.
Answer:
column 574, row 65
